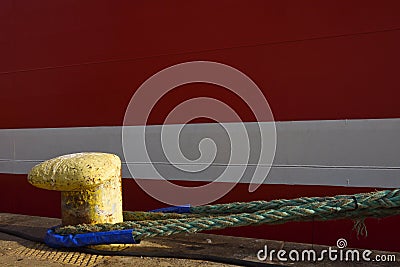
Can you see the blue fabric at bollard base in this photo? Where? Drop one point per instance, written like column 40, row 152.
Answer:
column 97, row 238
column 175, row 209
column 101, row 238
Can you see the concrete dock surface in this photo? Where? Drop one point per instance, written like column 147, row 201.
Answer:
column 177, row 250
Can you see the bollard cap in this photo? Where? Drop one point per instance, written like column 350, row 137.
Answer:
column 75, row 172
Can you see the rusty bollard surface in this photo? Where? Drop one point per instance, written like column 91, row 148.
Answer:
column 90, row 185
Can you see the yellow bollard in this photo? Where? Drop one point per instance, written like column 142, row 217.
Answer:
column 90, row 185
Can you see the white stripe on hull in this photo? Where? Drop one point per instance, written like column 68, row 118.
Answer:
column 339, row 152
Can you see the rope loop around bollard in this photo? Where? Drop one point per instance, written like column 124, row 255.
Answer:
column 186, row 219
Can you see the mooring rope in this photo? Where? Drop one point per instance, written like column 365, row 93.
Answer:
column 213, row 217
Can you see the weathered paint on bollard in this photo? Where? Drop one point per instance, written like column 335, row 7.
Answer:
column 90, row 185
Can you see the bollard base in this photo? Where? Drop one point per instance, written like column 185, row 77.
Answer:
column 102, row 204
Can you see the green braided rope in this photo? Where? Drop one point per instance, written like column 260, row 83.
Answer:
column 235, row 207
column 253, row 206
column 375, row 204
column 144, row 216
column 228, row 208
